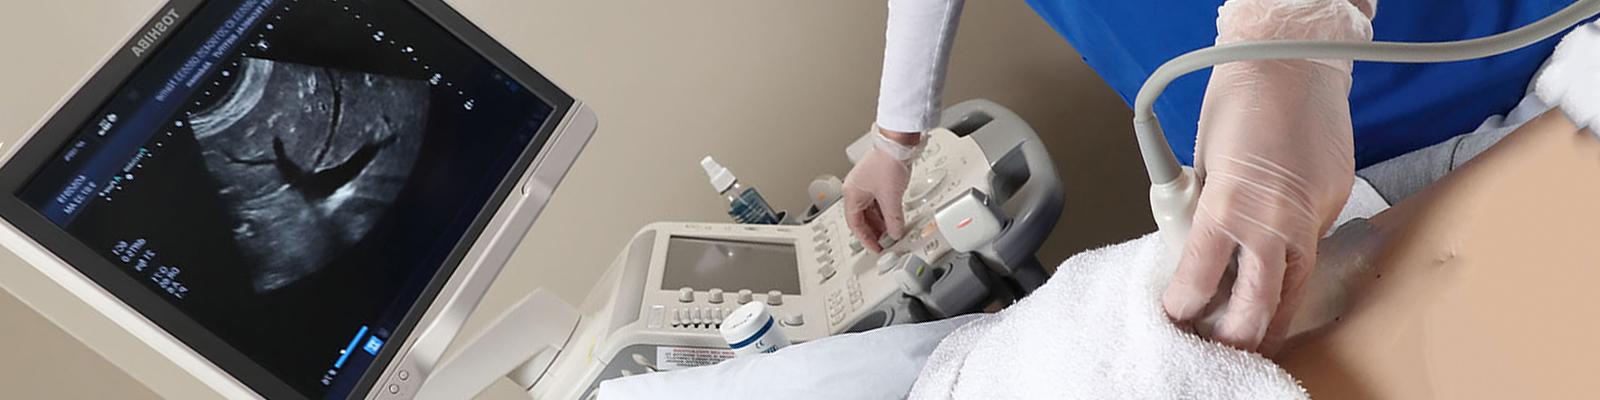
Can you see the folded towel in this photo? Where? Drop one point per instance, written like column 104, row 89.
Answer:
column 1096, row 331
column 1571, row 78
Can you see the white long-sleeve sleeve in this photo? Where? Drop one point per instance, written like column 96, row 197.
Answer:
column 916, row 52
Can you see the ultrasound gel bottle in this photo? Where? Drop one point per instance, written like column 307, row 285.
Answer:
column 752, row 330
column 745, row 205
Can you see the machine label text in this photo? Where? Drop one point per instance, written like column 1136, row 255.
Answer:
column 149, row 38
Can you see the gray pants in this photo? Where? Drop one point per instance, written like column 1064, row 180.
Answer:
column 1402, row 176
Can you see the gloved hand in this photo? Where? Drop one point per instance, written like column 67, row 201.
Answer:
column 875, row 188
column 1276, row 160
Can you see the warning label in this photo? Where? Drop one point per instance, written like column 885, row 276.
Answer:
column 673, row 358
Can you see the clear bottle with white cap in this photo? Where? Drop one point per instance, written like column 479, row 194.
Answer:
column 745, row 205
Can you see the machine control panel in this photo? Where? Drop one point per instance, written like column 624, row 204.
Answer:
column 670, row 288
column 839, row 282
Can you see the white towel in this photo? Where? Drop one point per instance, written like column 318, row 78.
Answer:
column 1571, row 78
column 1096, row 331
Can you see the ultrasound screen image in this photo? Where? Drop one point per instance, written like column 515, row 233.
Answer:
column 291, row 175
column 308, row 159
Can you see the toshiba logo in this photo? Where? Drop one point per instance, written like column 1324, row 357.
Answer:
column 149, row 38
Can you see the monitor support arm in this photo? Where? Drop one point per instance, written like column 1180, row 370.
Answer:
column 520, row 344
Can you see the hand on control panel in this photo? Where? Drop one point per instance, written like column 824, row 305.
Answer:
column 875, row 188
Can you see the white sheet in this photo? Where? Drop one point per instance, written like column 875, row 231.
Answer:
column 880, row 364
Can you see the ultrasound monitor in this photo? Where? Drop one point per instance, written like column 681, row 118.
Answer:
column 304, row 197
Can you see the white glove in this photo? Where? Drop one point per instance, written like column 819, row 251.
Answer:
column 875, row 188
column 1276, row 160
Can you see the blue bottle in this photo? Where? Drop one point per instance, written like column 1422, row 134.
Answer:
column 745, row 205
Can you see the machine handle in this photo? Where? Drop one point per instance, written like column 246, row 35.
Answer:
column 1033, row 197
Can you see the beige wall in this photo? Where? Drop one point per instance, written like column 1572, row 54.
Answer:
column 773, row 89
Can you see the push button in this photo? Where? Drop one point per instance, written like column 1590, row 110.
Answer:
column 827, row 272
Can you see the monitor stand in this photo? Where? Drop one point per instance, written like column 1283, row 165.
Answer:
column 520, row 344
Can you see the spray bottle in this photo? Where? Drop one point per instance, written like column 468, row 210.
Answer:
column 745, row 205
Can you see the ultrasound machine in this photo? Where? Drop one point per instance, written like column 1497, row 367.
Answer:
column 982, row 198
column 307, row 198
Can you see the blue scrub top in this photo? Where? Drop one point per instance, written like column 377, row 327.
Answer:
column 1396, row 108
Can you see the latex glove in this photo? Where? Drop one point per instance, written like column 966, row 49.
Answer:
column 875, row 188
column 1276, row 160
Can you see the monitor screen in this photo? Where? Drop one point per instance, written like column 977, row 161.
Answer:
column 291, row 176
column 730, row 265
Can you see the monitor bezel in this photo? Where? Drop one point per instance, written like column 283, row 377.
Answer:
column 63, row 124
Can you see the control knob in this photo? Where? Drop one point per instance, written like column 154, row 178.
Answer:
column 887, row 261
